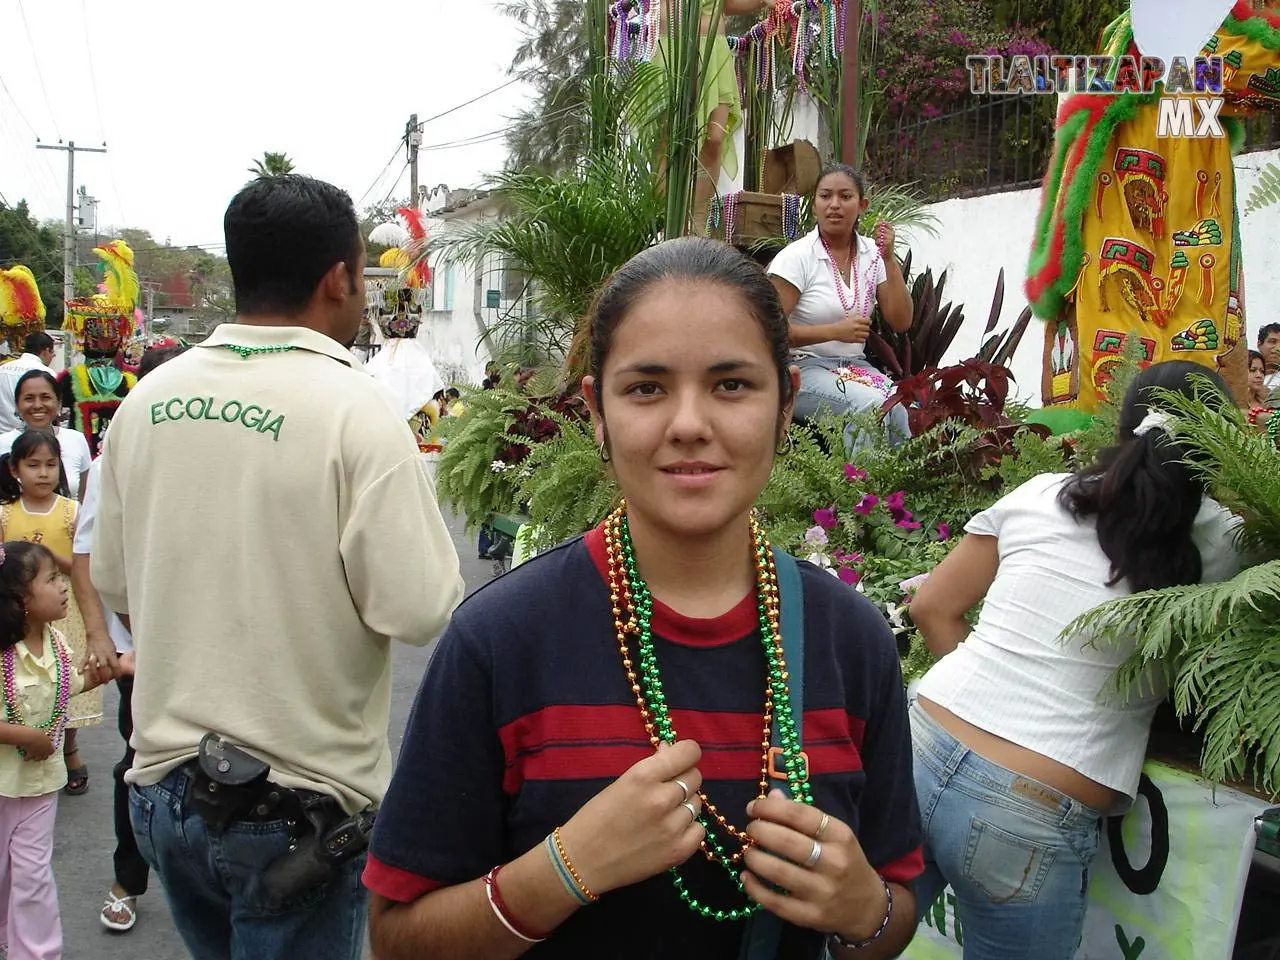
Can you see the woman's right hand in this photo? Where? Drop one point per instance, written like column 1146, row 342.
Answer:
column 38, row 745
column 853, row 329
column 638, row 826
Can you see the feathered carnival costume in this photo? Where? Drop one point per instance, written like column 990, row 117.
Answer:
column 404, row 364
column 22, row 311
column 101, row 324
column 1139, row 234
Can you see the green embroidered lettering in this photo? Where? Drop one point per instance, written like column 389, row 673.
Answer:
column 168, row 408
column 244, row 417
column 157, row 412
column 228, row 416
column 209, row 412
column 192, row 402
column 273, row 427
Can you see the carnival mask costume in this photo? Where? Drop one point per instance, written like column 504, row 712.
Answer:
column 93, row 389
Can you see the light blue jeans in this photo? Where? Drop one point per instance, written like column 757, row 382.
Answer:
column 819, row 389
column 1015, row 852
column 214, row 885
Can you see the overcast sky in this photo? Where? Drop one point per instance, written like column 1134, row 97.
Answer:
column 188, row 94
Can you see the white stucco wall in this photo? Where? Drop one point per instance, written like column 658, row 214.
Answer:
column 451, row 330
column 979, row 235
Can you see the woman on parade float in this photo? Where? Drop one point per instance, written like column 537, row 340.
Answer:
column 587, row 768
column 1020, row 750
column 829, row 282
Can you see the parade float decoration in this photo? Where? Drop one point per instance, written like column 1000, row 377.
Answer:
column 395, row 295
column 94, row 388
column 1138, row 233
column 22, row 311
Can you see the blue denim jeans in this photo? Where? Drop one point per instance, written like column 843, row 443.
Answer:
column 214, row 888
column 821, row 392
column 1015, row 851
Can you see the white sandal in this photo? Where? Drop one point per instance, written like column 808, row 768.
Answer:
column 112, row 905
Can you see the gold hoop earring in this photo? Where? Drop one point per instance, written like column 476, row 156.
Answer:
column 787, row 445
column 604, row 453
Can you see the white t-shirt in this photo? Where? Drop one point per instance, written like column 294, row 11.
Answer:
column 83, row 544
column 75, row 453
column 10, row 374
column 1015, row 678
column 805, row 265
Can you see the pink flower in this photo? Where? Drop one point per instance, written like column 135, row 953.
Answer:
column 895, row 500
column 866, row 504
column 842, row 557
column 849, row 575
column 944, row 531
column 826, row 518
column 906, row 523
column 853, row 474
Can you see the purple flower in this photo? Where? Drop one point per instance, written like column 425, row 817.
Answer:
column 853, row 474
column 826, row 518
column 815, row 537
column 866, row 504
column 895, row 500
column 842, row 557
column 908, row 524
column 849, row 575
column 944, row 531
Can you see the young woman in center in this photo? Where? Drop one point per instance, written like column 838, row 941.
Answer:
column 588, row 770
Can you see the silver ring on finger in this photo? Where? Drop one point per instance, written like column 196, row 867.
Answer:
column 683, row 786
column 815, row 855
column 693, row 813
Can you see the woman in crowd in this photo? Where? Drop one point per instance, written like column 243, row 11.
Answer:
column 36, row 400
column 1258, row 392
column 830, row 281
column 1020, row 746
column 587, row 771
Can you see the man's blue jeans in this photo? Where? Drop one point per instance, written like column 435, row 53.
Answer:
column 214, row 885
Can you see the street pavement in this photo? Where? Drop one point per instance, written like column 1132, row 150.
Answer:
column 84, row 840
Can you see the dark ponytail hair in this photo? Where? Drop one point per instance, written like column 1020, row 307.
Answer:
column 1143, row 492
column 19, row 566
column 26, row 444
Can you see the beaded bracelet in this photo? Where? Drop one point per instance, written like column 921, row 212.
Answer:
column 500, row 909
column 564, row 866
column 1254, row 413
column 884, row 924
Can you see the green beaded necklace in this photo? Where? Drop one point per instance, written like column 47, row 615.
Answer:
column 247, row 352
column 627, row 586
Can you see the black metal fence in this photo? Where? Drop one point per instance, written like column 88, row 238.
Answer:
column 997, row 144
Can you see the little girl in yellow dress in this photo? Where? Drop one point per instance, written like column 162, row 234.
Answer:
column 33, row 508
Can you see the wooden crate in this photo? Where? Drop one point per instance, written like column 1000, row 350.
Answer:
column 759, row 217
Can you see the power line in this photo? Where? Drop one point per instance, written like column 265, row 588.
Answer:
column 35, row 58
column 495, row 134
column 97, row 104
column 378, row 179
column 396, row 184
column 488, row 93
column 5, row 87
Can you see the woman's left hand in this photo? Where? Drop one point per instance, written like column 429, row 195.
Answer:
column 839, row 893
column 885, row 237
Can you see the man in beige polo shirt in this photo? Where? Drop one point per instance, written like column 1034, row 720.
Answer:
column 267, row 526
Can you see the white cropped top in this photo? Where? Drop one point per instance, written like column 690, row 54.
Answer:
column 1015, row 678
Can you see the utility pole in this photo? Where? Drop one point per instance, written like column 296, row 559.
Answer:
column 412, row 140
column 850, row 120
column 69, row 239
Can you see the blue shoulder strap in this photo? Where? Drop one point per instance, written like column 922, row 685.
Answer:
column 763, row 935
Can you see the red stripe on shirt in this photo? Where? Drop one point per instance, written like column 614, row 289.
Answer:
column 904, row 869
column 395, row 884
column 600, row 742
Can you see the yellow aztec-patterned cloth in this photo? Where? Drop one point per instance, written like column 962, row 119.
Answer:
column 1160, row 237
column 56, row 530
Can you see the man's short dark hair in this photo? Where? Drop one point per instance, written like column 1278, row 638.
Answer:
column 154, row 356
column 453, row 392
column 1267, row 331
column 283, row 235
column 37, row 343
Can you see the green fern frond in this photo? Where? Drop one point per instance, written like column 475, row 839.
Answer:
column 568, row 488
column 1266, row 192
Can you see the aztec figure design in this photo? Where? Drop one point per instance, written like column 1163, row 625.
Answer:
column 92, row 390
column 1139, row 234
